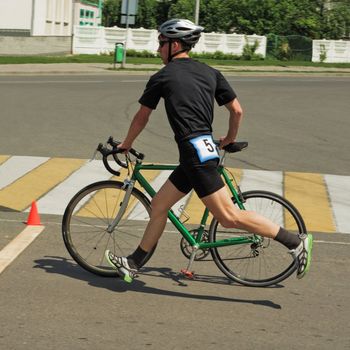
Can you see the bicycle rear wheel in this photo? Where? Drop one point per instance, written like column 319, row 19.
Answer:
column 87, row 217
column 266, row 262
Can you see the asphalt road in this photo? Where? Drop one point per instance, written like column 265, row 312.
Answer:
column 47, row 302
column 291, row 123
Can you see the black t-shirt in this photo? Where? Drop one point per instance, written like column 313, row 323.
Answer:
column 189, row 89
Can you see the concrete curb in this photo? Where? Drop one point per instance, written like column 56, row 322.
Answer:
column 105, row 68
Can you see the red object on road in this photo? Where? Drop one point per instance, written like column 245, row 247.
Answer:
column 33, row 218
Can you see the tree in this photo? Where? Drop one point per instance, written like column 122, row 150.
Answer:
column 312, row 18
column 253, row 16
column 337, row 23
column 111, row 13
column 305, row 18
column 163, row 9
column 147, row 14
column 216, row 15
column 182, row 9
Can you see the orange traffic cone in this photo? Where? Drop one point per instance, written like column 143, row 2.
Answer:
column 33, row 218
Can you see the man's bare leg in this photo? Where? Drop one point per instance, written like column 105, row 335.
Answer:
column 166, row 197
column 221, row 206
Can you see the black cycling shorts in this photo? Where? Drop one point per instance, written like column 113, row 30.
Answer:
column 203, row 177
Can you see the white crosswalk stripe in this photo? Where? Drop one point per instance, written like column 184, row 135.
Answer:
column 260, row 179
column 15, row 167
column 339, row 192
column 55, row 200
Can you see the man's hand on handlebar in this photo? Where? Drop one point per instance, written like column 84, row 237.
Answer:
column 125, row 147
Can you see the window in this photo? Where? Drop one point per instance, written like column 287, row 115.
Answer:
column 88, row 15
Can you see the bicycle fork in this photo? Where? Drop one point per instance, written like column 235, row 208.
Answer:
column 129, row 185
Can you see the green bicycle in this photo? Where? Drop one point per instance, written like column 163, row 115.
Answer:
column 113, row 215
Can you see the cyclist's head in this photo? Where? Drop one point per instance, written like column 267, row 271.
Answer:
column 182, row 30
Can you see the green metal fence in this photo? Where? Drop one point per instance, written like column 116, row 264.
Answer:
column 291, row 47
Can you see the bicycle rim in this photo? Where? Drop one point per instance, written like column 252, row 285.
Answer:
column 266, row 262
column 88, row 216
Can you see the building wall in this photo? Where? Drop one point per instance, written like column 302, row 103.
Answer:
column 86, row 15
column 15, row 15
column 46, row 17
column 52, row 17
column 43, row 27
column 35, row 45
column 37, row 17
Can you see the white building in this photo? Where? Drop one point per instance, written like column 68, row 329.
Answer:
column 88, row 13
column 47, row 17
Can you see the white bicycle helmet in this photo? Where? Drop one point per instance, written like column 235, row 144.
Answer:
column 181, row 29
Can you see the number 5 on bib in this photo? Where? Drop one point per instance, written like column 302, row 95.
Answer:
column 205, row 147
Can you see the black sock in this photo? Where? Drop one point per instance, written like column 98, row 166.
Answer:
column 290, row 240
column 136, row 258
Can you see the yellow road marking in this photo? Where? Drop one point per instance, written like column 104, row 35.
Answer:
column 195, row 206
column 307, row 191
column 3, row 158
column 39, row 181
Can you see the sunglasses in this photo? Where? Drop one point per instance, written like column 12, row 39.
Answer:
column 162, row 42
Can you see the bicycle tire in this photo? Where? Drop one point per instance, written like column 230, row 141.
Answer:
column 85, row 222
column 267, row 263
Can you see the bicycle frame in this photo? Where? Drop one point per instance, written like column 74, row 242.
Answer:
column 113, row 215
column 195, row 242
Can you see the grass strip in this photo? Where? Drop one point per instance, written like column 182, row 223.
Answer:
column 155, row 60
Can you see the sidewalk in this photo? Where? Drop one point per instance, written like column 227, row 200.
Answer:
column 105, row 68
column 56, row 68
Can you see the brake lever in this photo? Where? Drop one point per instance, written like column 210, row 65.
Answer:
column 93, row 156
column 98, row 149
column 95, row 152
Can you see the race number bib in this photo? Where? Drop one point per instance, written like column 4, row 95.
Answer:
column 205, row 147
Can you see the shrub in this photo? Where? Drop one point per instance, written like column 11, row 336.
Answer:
column 284, row 52
column 249, row 52
column 217, row 55
column 323, row 53
column 144, row 53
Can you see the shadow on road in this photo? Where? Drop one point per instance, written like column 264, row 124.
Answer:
column 66, row 267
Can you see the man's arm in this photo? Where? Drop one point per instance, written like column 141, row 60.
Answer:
column 138, row 123
column 236, row 115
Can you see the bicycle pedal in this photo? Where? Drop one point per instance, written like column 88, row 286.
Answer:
column 187, row 274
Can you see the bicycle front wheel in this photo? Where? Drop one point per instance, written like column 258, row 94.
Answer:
column 87, row 219
column 265, row 262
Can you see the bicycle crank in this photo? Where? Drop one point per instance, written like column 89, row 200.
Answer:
column 187, row 249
